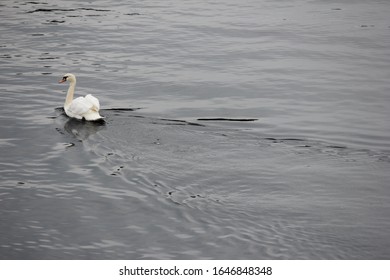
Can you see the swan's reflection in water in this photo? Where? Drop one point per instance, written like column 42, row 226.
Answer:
column 82, row 129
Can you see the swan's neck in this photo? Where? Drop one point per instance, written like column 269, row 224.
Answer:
column 69, row 95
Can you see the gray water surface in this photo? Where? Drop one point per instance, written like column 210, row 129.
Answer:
column 233, row 130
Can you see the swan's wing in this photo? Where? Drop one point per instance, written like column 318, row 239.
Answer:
column 79, row 106
column 93, row 101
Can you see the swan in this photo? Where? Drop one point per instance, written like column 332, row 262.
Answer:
column 82, row 107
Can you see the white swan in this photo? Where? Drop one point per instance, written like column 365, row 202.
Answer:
column 82, row 107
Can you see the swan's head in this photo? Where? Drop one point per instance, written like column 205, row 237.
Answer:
column 68, row 77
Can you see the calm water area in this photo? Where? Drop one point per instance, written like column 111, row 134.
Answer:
column 251, row 129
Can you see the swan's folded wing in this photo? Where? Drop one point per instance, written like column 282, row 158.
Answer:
column 94, row 102
column 79, row 107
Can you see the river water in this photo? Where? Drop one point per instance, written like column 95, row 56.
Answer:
column 233, row 130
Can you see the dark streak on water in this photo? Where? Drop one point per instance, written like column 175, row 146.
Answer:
column 227, row 119
column 66, row 10
column 294, row 166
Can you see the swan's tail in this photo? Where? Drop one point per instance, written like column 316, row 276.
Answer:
column 92, row 115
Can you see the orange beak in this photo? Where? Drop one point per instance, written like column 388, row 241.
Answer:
column 62, row 81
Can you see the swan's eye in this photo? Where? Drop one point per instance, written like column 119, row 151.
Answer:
column 65, row 77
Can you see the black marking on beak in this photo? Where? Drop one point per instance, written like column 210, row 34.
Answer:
column 63, row 79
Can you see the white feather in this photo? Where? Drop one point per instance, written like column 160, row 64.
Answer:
column 94, row 101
